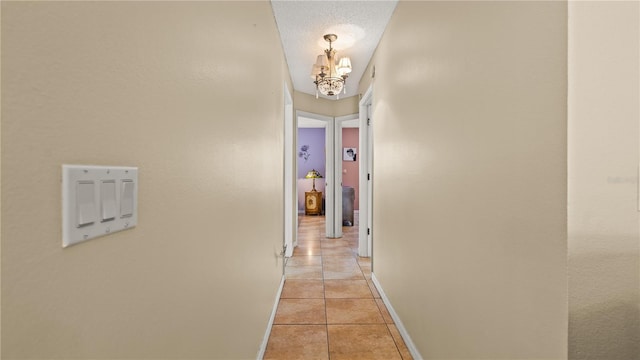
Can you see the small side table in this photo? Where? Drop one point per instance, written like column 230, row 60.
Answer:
column 313, row 203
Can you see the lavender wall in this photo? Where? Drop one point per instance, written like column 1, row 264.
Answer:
column 315, row 139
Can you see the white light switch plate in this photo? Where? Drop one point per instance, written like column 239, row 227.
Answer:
column 86, row 216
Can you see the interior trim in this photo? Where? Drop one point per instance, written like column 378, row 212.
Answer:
column 265, row 340
column 396, row 319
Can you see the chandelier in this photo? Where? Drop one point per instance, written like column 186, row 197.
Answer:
column 328, row 76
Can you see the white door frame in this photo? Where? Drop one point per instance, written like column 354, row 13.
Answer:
column 290, row 216
column 329, row 206
column 340, row 122
column 366, row 175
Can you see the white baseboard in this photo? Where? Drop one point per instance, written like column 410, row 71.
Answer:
column 263, row 346
column 396, row 319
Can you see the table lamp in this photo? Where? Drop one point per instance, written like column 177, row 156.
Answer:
column 313, row 174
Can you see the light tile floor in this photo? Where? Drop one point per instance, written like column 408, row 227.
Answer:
column 329, row 308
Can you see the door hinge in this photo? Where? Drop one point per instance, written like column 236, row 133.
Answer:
column 368, row 231
column 368, row 122
column 368, row 176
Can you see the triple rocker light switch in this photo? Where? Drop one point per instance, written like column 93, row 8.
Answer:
column 97, row 200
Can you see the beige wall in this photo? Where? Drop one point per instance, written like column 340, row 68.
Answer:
column 470, row 179
column 322, row 106
column 168, row 87
column 604, row 239
column 0, row 188
column 346, row 106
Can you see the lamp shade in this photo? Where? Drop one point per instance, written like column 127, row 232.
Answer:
column 313, row 174
column 315, row 71
column 344, row 66
column 322, row 61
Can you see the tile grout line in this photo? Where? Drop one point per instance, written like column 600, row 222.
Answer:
column 324, row 294
column 328, row 245
column 394, row 341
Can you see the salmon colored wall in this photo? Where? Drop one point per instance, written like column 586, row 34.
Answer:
column 350, row 175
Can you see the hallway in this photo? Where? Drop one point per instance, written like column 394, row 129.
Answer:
column 329, row 308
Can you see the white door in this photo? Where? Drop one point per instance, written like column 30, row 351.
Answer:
column 369, row 132
column 365, row 233
column 331, row 186
column 290, row 216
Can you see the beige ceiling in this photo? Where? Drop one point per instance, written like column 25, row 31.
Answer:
column 302, row 24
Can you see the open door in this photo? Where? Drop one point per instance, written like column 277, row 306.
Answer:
column 290, row 216
column 366, row 175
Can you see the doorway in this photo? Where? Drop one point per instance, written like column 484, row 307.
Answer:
column 347, row 171
column 315, row 155
column 332, row 179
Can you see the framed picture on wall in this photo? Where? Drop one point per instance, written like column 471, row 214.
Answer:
column 349, row 154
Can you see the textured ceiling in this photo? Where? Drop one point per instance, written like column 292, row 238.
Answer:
column 302, row 25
